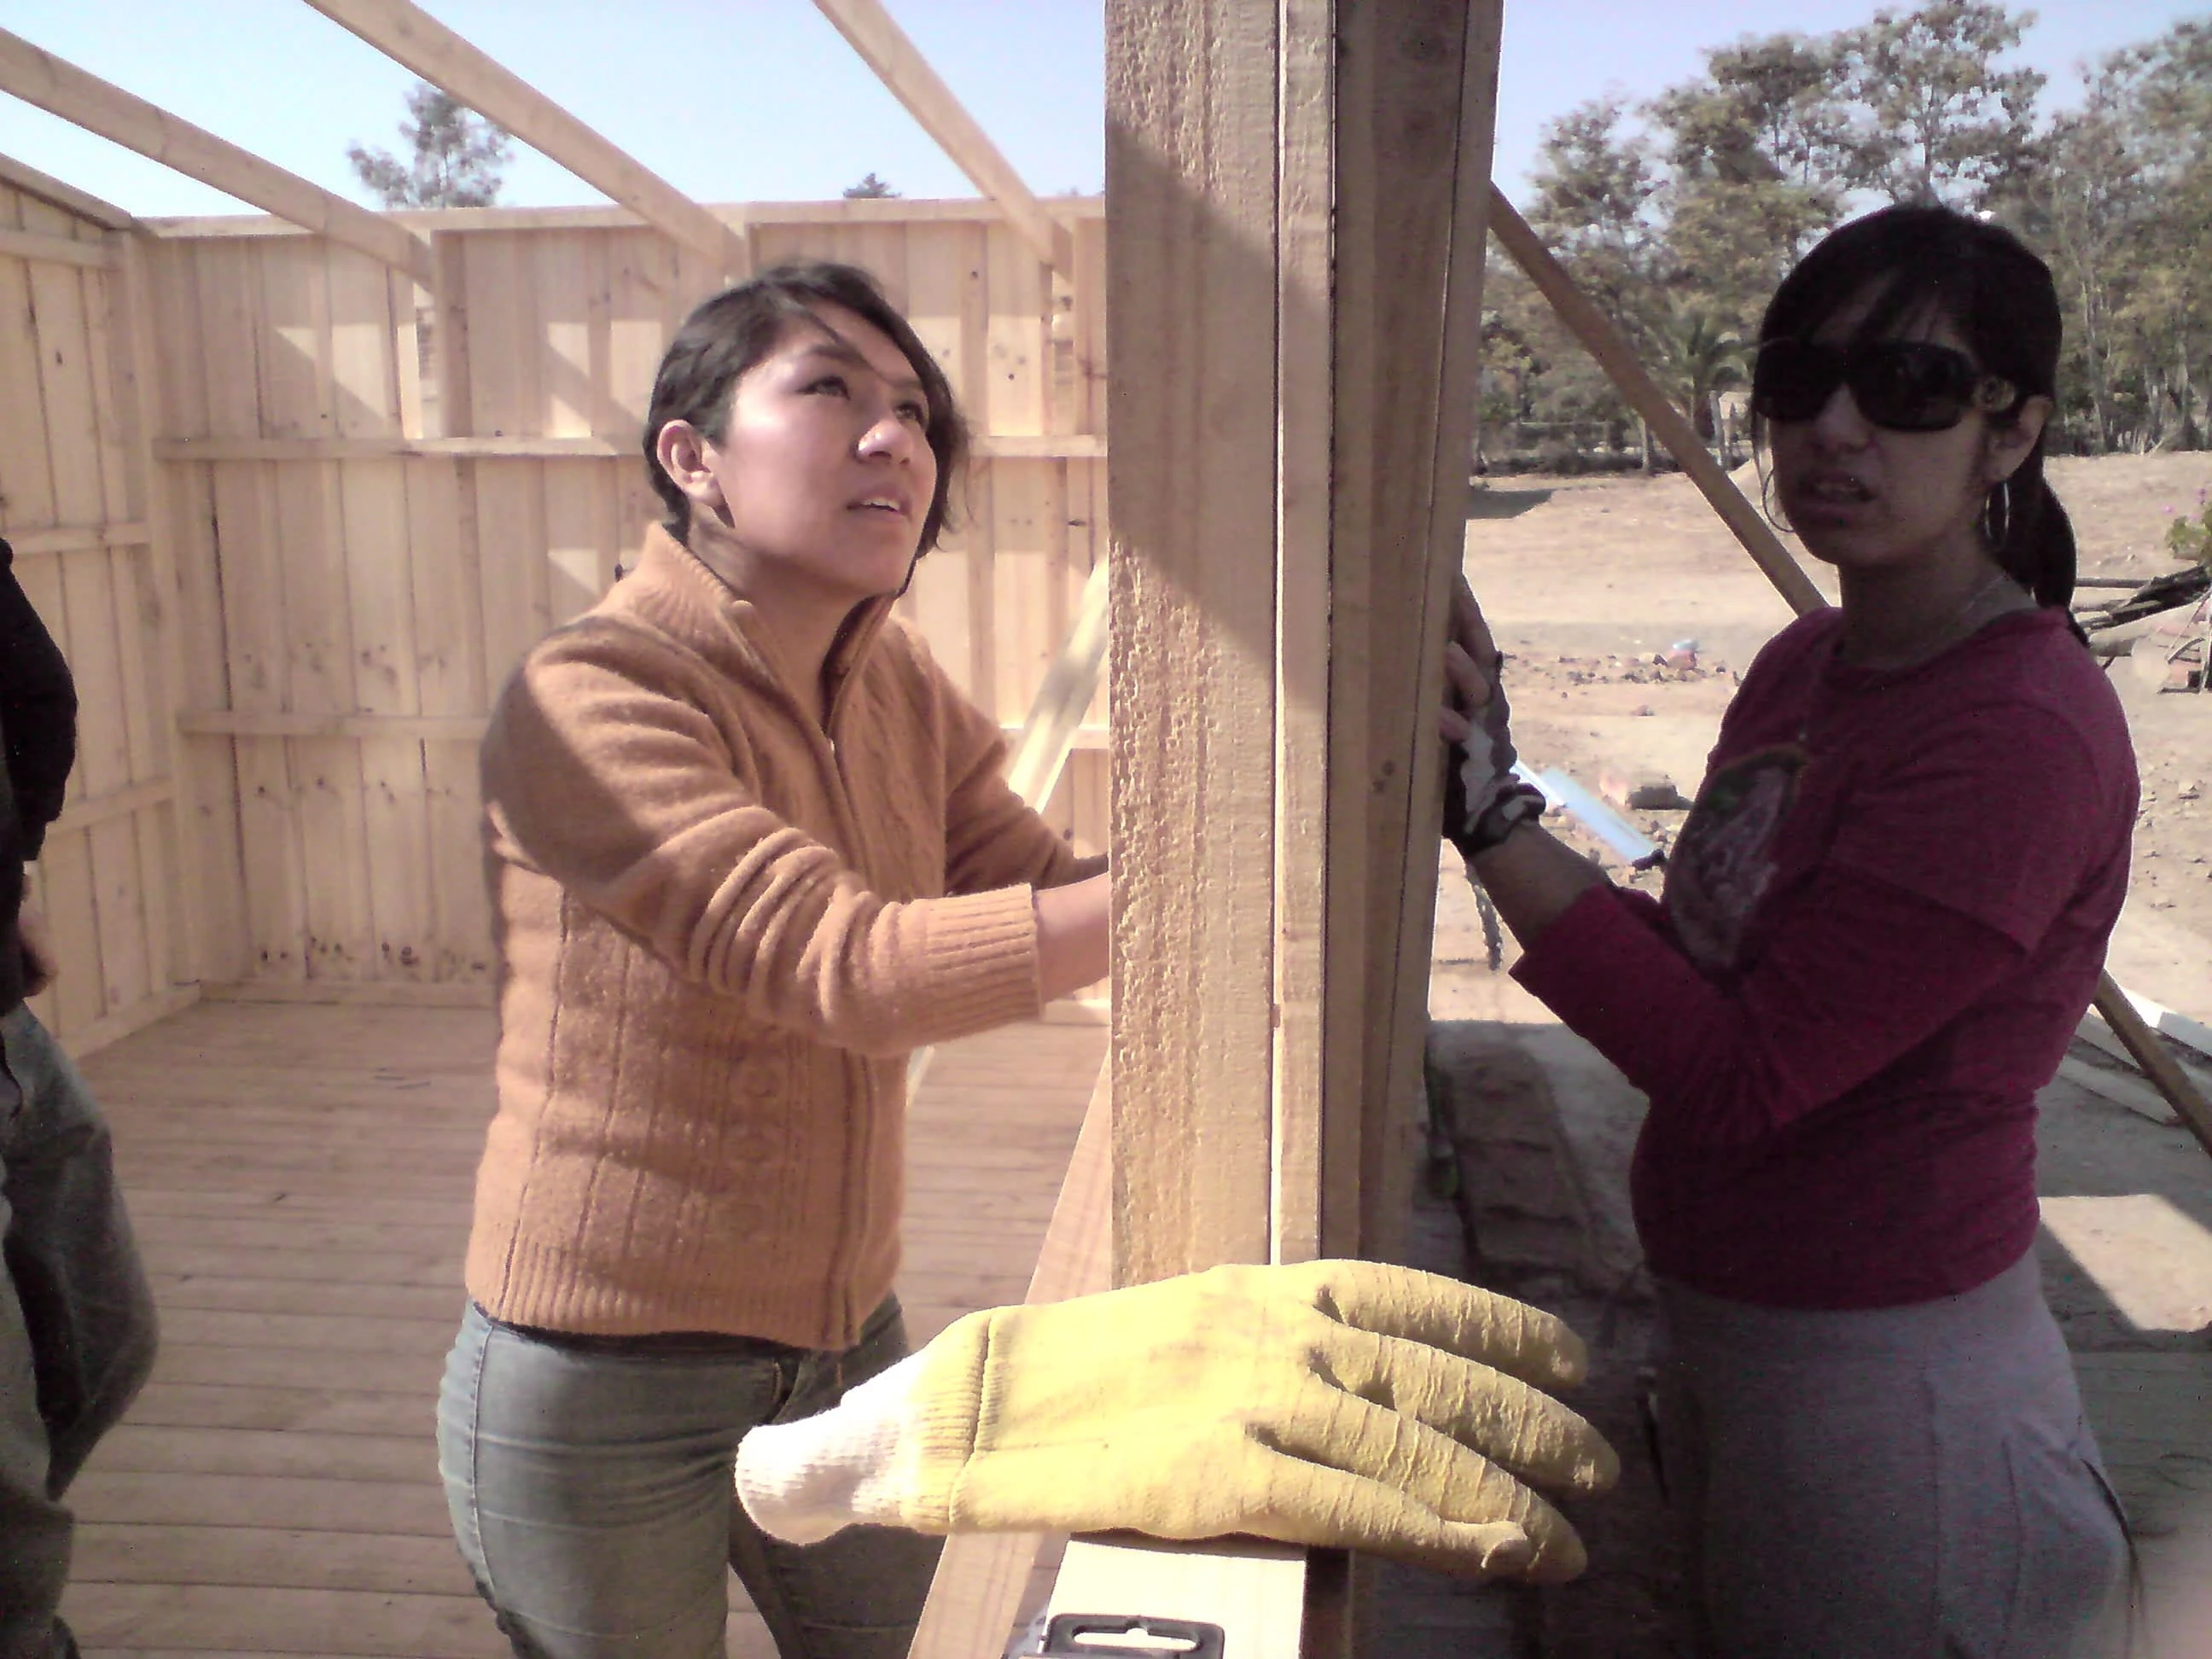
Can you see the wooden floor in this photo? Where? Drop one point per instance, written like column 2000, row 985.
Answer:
column 299, row 1179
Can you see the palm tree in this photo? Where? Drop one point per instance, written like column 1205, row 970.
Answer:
column 1697, row 356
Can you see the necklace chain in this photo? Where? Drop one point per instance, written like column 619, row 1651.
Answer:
column 1952, row 631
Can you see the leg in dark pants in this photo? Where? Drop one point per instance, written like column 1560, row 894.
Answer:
column 76, row 1322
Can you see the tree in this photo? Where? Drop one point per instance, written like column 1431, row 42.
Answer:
column 1699, row 357
column 455, row 157
column 2121, row 205
column 1593, row 204
column 870, row 189
column 1756, row 151
column 1944, row 123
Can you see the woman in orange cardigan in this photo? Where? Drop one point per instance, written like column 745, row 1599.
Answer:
column 748, row 847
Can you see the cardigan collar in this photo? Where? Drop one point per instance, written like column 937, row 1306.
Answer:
column 668, row 567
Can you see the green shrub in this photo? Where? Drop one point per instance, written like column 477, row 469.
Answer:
column 2191, row 537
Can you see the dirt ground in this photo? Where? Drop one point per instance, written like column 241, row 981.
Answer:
column 1585, row 582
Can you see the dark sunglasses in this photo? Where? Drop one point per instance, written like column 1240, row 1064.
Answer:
column 1908, row 386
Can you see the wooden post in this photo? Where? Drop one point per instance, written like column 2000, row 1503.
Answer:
column 1191, row 156
column 1291, row 410
column 1297, row 193
column 138, row 368
column 980, row 1578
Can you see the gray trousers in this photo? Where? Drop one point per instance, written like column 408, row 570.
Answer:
column 592, row 1485
column 1896, row 1483
column 76, row 1322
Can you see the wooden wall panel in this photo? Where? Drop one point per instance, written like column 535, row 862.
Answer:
column 74, row 504
column 371, row 528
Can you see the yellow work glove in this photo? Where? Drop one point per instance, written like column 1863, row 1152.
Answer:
column 1347, row 1404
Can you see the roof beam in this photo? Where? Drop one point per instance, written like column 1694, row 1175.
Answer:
column 62, row 88
column 899, row 65
column 410, row 35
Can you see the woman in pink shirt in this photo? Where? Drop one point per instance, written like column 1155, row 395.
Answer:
column 1882, row 920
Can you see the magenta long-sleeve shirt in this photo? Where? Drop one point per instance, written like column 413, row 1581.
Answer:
column 1880, row 924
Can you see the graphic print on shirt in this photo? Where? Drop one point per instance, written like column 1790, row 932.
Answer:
column 1724, row 858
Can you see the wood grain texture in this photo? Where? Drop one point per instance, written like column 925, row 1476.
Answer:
column 1191, row 162
column 61, row 89
column 883, row 46
column 413, row 37
column 300, row 1181
column 976, row 1598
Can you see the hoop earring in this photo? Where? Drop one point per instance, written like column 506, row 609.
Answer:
column 1759, row 459
column 1996, row 512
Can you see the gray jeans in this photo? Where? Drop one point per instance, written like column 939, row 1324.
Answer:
column 590, row 1480
column 76, row 1322
column 1892, row 1483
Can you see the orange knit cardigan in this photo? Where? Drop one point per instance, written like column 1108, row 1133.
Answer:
column 721, row 929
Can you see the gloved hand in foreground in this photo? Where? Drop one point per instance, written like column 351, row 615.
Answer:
column 1347, row 1404
column 1483, row 798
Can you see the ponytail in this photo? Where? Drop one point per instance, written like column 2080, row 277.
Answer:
column 2030, row 533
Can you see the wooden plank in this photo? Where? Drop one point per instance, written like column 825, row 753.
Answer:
column 16, row 175
column 210, row 851
column 411, row 36
column 65, row 380
column 570, row 285
column 886, row 50
column 433, row 729
column 78, row 538
column 126, row 802
column 1191, row 302
column 638, row 325
column 2092, row 1030
column 61, row 89
column 1016, row 346
column 582, row 541
column 517, row 603
column 26, row 480
column 451, row 684
column 68, row 894
column 975, row 1594
column 2159, row 1067
column 2122, row 1088
column 387, row 994
column 122, row 481
column 283, row 1444
column 904, row 209
column 57, row 250
column 1444, row 353
column 1025, row 575
column 1304, row 377
column 1013, row 445
column 199, row 1617
column 121, row 1553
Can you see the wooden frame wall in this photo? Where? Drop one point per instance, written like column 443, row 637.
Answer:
column 75, row 506
column 381, row 498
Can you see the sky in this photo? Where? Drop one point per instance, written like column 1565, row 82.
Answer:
column 751, row 100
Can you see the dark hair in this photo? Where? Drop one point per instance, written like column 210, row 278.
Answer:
column 1986, row 283
column 741, row 325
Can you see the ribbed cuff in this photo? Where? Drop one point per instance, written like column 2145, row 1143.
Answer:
column 804, row 1481
column 980, row 951
column 950, row 1417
